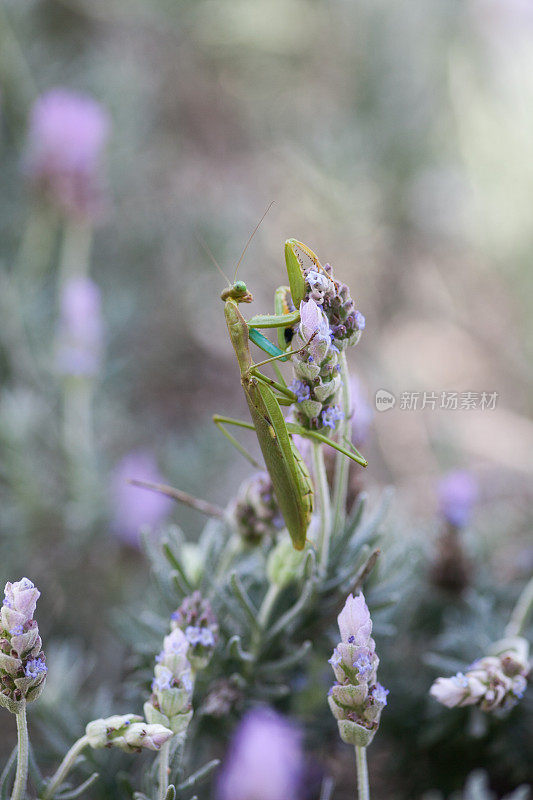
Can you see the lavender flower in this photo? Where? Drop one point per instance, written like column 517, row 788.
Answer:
column 457, row 495
column 255, row 510
column 80, row 331
column 66, row 137
column 134, row 507
column 127, row 732
column 265, row 761
column 356, row 699
column 496, row 681
column 22, row 661
column 317, row 379
column 331, row 415
column 170, row 702
column 328, row 315
column 196, row 619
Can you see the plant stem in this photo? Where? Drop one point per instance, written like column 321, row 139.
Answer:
column 21, row 777
column 363, row 790
column 342, row 465
column 267, row 605
column 78, row 390
column 322, row 490
column 64, row 768
column 163, row 770
column 521, row 611
column 75, row 251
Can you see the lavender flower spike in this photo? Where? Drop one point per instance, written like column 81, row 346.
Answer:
column 356, row 699
column 265, row 761
column 66, row 136
column 22, row 662
column 496, row 681
column 457, row 495
column 170, row 702
column 135, row 507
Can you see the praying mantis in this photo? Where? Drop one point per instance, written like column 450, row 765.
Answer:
column 291, row 481
column 290, row 477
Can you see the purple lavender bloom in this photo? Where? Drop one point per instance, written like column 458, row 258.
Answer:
column 363, row 664
column 379, row 694
column 457, row 494
column 335, row 659
column 265, row 760
column 133, row 506
column 331, row 415
column 360, row 321
column 66, row 136
column 80, row 333
column 34, row 668
column 301, row 390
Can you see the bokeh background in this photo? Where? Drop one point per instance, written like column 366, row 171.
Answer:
column 396, row 139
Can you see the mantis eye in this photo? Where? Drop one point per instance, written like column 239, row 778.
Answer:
column 240, row 286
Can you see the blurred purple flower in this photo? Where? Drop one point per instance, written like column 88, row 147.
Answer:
column 457, row 494
column 80, row 334
column 66, row 136
column 265, row 761
column 362, row 413
column 134, row 507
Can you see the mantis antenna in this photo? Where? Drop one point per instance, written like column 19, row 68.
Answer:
column 250, row 239
column 213, row 259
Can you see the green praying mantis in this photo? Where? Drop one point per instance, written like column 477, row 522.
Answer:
column 292, row 484
column 291, row 481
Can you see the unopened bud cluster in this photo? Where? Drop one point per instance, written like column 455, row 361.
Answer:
column 255, row 510
column 22, row 661
column 328, row 315
column 496, row 681
column 345, row 322
column 127, row 732
column 196, row 619
column 356, row 699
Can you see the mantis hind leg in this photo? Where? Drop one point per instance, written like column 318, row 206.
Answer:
column 221, row 422
column 352, row 453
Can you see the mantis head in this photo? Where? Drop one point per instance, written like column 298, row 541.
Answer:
column 238, row 292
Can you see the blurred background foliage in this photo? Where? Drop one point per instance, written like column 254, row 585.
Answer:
column 396, row 138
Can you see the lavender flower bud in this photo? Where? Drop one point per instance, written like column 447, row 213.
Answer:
column 133, row 507
column 196, row 619
column 127, row 732
column 284, row 564
column 265, row 761
column 22, row 661
column 255, row 510
column 496, row 681
column 80, row 334
column 101, row 732
column 457, row 496
column 356, row 699
column 66, row 137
